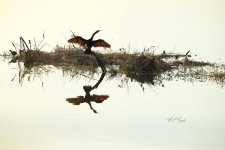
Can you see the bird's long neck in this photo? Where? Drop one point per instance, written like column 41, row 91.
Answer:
column 94, row 34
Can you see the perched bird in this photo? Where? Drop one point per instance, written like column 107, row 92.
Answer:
column 88, row 44
column 14, row 53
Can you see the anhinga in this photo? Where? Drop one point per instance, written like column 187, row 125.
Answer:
column 89, row 43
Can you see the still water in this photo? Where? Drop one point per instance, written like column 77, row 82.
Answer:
column 180, row 115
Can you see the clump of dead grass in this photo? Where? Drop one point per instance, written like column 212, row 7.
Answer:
column 143, row 67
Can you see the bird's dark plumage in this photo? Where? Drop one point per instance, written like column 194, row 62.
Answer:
column 78, row 40
column 88, row 44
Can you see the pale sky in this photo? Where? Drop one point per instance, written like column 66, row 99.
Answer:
column 39, row 118
column 172, row 25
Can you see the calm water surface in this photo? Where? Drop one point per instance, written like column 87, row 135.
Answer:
column 181, row 115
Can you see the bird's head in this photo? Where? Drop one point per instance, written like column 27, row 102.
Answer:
column 98, row 31
column 95, row 33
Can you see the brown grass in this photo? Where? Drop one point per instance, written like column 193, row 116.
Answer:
column 145, row 67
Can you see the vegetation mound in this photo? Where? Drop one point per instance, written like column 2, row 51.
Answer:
column 143, row 67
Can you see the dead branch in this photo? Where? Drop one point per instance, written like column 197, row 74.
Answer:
column 22, row 41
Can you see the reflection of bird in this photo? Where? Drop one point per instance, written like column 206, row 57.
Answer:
column 13, row 52
column 89, row 43
column 88, row 99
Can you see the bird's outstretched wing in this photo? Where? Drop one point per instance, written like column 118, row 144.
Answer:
column 76, row 100
column 78, row 40
column 101, row 43
column 99, row 98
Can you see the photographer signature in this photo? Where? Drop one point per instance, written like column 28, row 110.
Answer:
column 176, row 119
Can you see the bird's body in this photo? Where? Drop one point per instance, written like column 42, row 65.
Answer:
column 88, row 44
column 14, row 53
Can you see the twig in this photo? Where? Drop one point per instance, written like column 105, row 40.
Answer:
column 73, row 33
column 43, row 46
column 35, row 44
column 74, row 36
column 14, row 46
column 21, row 39
column 187, row 52
column 41, row 41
